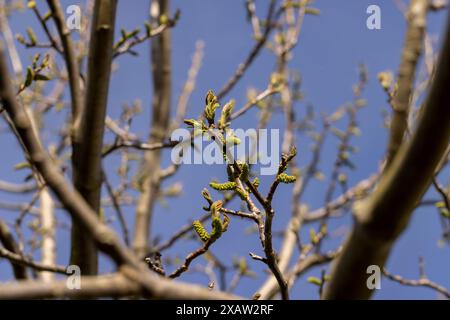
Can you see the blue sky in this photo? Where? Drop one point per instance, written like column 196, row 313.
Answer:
column 330, row 49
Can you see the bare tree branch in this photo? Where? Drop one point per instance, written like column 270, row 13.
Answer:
column 105, row 239
column 410, row 57
column 252, row 55
column 422, row 282
column 70, row 59
column 381, row 218
column 162, row 90
column 88, row 141
column 115, row 285
column 17, row 188
column 7, row 240
column 48, row 229
column 25, row 262
column 9, row 39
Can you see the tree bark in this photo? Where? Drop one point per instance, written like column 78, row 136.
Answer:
column 385, row 214
column 7, row 240
column 150, row 169
column 88, row 142
column 105, row 238
column 406, row 74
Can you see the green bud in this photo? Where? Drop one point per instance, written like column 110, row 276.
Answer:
column 29, row 77
column 163, row 19
column 47, row 16
column 342, row 178
column 211, row 106
column 225, row 223
column 206, row 195
column 245, row 171
column 41, row 77
column 193, row 123
column 243, row 267
column 20, row 38
column 315, row 281
column 217, row 228
column 313, row 236
column 148, row 29
column 232, row 139
column 215, row 208
column 226, row 113
column 312, row 11
column 36, row 58
column 31, row 36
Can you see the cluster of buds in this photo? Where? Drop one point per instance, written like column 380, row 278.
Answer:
column 218, row 225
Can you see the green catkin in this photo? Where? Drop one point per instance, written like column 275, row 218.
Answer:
column 314, row 280
column 241, row 193
column 285, row 178
column 218, row 226
column 201, row 231
column 230, row 185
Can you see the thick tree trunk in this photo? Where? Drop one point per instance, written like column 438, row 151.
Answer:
column 383, row 217
column 87, row 145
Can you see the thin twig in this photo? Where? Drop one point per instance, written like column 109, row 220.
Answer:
column 422, row 282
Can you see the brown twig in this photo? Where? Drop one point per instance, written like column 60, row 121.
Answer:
column 23, row 261
column 252, row 55
column 422, row 282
